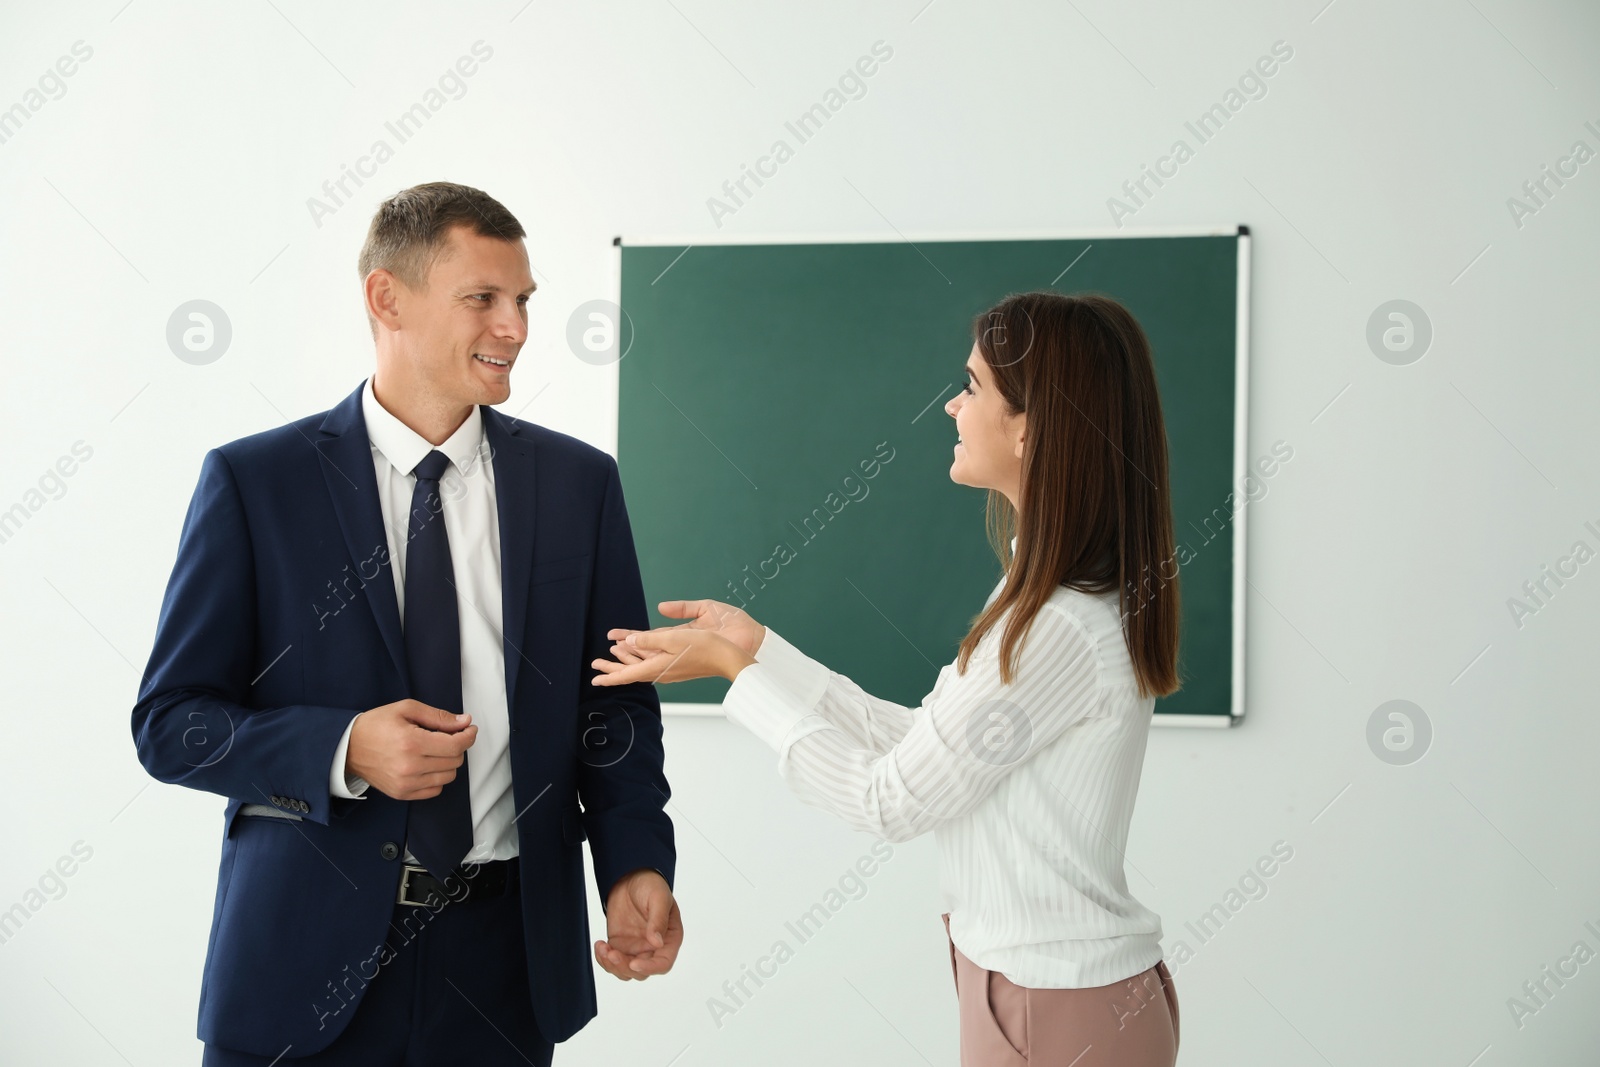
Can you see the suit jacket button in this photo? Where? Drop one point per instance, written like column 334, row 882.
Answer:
column 389, row 850
column 304, row 806
column 277, row 800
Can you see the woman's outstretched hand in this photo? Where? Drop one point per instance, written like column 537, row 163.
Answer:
column 670, row 654
column 725, row 619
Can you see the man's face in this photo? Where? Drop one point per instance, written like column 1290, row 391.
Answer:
column 473, row 310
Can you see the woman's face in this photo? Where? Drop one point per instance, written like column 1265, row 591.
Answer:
column 988, row 454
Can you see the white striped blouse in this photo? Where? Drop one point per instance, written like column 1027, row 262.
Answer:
column 1028, row 787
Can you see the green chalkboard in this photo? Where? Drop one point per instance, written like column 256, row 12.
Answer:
column 783, row 441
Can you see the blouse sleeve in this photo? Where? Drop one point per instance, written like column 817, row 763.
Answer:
column 870, row 722
column 966, row 736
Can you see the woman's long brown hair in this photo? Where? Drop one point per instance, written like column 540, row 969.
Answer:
column 1096, row 514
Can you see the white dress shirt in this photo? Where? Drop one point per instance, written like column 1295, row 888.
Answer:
column 472, row 524
column 1028, row 787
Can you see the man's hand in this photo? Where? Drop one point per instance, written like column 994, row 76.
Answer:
column 409, row 750
column 643, row 927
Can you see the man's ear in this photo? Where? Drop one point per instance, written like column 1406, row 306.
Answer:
column 381, row 289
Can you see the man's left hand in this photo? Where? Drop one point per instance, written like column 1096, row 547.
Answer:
column 643, row 928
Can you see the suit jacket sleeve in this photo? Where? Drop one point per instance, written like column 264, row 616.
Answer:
column 621, row 781
column 195, row 723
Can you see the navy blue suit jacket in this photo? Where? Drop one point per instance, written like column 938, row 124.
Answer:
column 280, row 623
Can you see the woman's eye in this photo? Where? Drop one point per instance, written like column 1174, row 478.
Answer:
column 967, row 388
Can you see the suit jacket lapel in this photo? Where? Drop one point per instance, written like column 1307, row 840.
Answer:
column 512, row 454
column 353, row 485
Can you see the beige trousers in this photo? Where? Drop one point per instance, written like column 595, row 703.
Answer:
column 1131, row 1023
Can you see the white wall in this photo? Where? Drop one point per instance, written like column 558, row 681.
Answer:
column 177, row 166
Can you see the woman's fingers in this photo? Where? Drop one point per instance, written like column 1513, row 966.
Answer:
column 623, row 654
column 669, row 655
column 629, row 646
column 621, row 634
column 646, row 670
column 665, row 640
column 631, row 665
column 613, row 673
column 685, row 609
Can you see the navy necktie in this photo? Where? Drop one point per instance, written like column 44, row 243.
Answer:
column 439, row 828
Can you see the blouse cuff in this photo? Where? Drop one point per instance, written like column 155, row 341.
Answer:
column 801, row 675
column 775, row 694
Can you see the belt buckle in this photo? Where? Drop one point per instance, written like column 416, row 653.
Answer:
column 406, row 871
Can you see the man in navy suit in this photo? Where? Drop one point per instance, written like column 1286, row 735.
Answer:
column 375, row 643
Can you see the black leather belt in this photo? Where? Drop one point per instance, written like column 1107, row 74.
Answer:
column 473, row 881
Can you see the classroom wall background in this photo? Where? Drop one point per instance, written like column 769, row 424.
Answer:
column 1390, row 862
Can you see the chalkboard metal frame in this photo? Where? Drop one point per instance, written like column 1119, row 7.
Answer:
column 1240, row 403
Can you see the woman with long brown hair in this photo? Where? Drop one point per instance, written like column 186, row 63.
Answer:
column 1024, row 760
